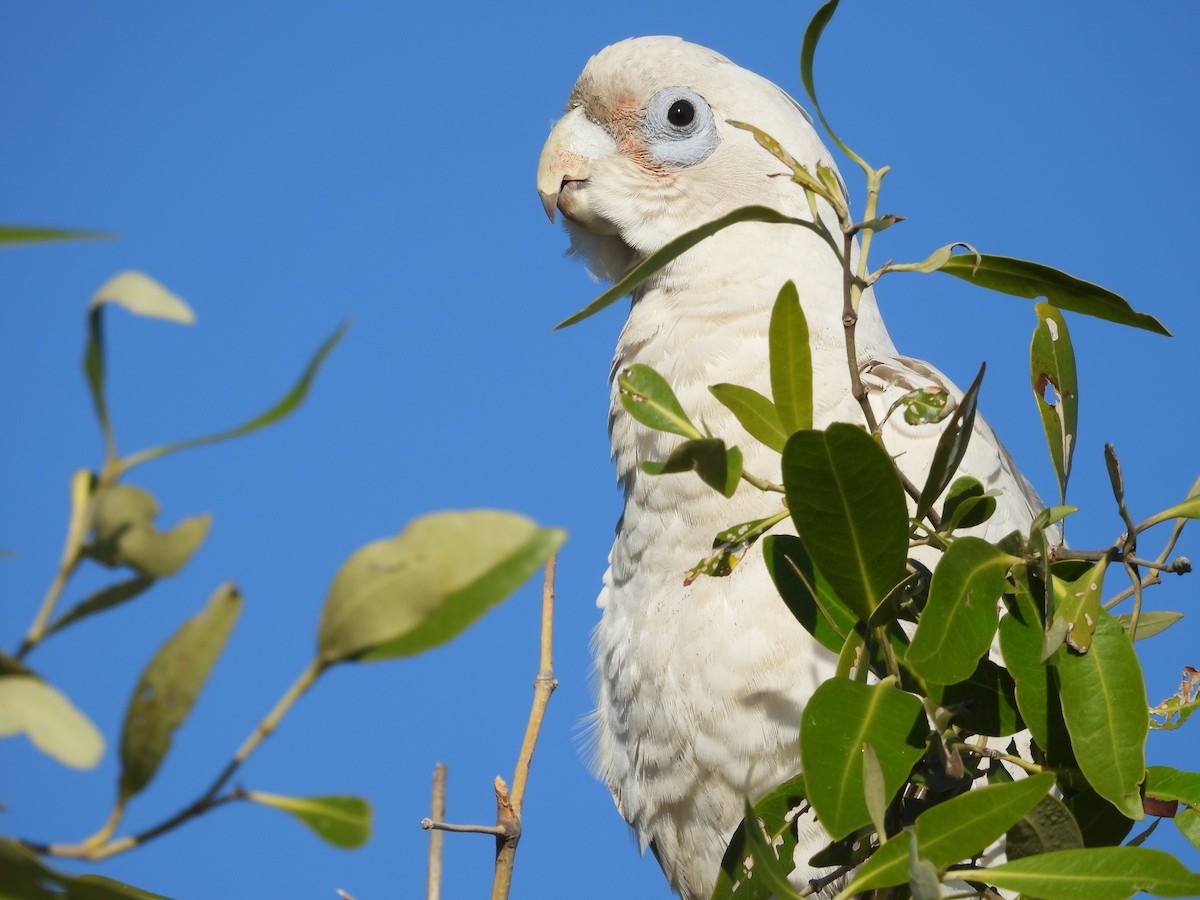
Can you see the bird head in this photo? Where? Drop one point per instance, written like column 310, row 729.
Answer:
column 646, row 150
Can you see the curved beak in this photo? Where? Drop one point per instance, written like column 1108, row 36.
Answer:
column 567, row 161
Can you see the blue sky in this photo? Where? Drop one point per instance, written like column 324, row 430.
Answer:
column 286, row 166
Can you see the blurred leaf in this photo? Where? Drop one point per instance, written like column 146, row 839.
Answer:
column 29, row 234
column 967, row 504
column 647, row 397
column 1149, row 623
column 849, row 508
column 754, row 412
column 284, row 407
column 923, row 881
column 874, row 791
column 30, row 706
column 1188, row 509
column 774, row 813
column 791, row 362
column 25, row 877
column 1100, row 823
column 1100, row 873
column 1188, row 823
column 1077, row 603
column 953, row 831
column 951, row 446
column 1047, row 827
column 1031, row 280
column 339, row 820
column 676, row 248
column 808, row 50
column 169, row 686
column 1104, row 706
column 730, row 547
column 1021, row 638
column 1056, row 389
column 718, row 467
column 840, row 718
column 421, row 588
column 123, row 533
column 1051, row 516
column 984, row 703
column 807, row 594
column 959, row 621
column 105, row 598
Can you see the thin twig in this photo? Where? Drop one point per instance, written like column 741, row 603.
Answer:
column 437, row 812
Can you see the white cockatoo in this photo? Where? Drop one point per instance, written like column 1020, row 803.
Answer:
column 702, row 686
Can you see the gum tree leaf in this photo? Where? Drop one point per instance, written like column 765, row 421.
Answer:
column 1047, row 827
column 806, row 592
column 25, row 877
column 106, row 598
column 967, row 504
column 170, row 685
column 1022, row 278
column 754, row 412
column 282, row 408
column 1021, row 639
column 343, row 821
column 986, row 701
column 659, row 259
column 849, row 509
column 1101, row 873
column 1100, row 823
column 647, row 397
column 808, row 51
column 43, row 714
column 1188, row 509
column 718, row 467
column 1055, row 389
column 123, row 533
column 730, row 546
column 770, row 867
column 951, row 446
column 953, row 831
column 29, row 234
column 840, row 718
column 421, row 588
column 1104, row 706
column 774, row 813
column 959, row 621
column 1077, row 603
column 791, row 362
column 1149, row 623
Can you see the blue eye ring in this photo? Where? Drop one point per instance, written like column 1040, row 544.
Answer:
column 680, row 128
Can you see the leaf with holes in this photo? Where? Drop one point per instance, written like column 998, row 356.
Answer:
column 647, row 397
column 1055, row 388
column 951, row 447
column 738, row 878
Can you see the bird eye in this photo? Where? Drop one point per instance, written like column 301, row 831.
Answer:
column 681, row 113
column 680, row 129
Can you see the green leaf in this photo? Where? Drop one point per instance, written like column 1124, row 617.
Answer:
column 984, row 703
column 1188, row 823
column 849, row 509
column 1077, row 603
column 806, row 592
column 1031, row 280
column 170, row 685
column 123, row 533
column 718, row 467
column 738, row 878
column 730, row 547
column 959, row 621
column 1104, row 706
column 770, row 868
column 1188, row 509
column 343, row 821
column 421, row 588
column 25, row 877
column 676, row 248
column 1021, row 638
column 840, row 718
column 754, row 412
column 1101, row 873
column 967, row 504
column 1047, row 827
column 1056, row 389
column 29, row 234
column 791, row 362
column 647, row 397
column 953, row 831
column 282, row 408
column 951, row 447
column 141, row 295
column 1101, row 823
column 926, row 406
column 923, row 881
column 808, row 50
column 106, row 598
column 874, row 791
column 1149, row 623
column 43, row 714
